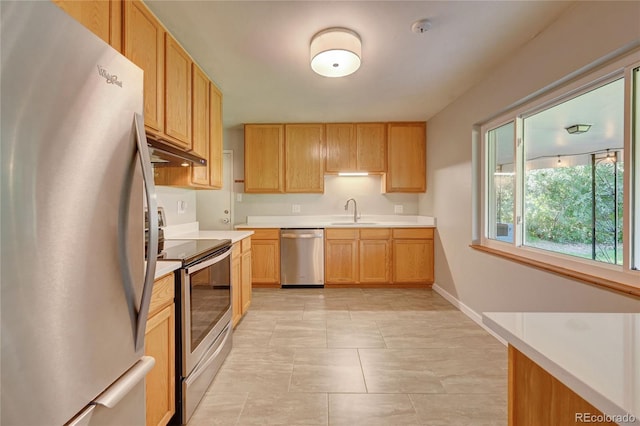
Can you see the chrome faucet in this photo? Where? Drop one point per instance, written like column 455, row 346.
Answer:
column 355, row 209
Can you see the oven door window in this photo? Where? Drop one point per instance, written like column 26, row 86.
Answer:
column 210, row 298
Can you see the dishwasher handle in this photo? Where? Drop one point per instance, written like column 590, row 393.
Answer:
column 299, row 236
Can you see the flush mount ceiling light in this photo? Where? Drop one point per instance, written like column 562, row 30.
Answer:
column 576, row 129
column 335, row 52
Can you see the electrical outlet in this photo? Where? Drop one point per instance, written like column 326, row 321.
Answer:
column 182, row 207
column 398, row 209
column 295, row 208
column 239, row 197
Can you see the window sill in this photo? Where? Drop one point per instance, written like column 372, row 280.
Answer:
column 610, row 284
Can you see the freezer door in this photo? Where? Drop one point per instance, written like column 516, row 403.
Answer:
column 120, row 403
column 72, row 215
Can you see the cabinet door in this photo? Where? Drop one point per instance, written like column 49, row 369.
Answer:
column 215, row 137
column 263, row 158
column 236, row 284
column 341, row 261
column 200, row 125
column 103, row 18
column 406, row 156
column 304, row 158
column 265, row 261
column 413, row 261
column 246, row 281
column 371, row 140
column 341, row 148
column 160, row 382
column 375, row 261
column 143, row 44
column 177, row 94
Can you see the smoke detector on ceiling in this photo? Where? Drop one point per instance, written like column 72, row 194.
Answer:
column 421, row 26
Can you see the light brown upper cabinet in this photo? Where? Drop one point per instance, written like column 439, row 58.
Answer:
column 406, row 157
column 304, row 158
column 207, row 140
column 215, row 137
column 177, row 93
column 359, row 147
column 263, row 158
column 341, row 147
column 103, row 18
column 143, row 44
column 200, row 125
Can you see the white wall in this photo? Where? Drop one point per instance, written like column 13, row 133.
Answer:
column 168, row 198
column 586, row 32
column 337, row 190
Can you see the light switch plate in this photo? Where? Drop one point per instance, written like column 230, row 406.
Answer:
column 295, row 208
column 398, row 209
column 182, row 207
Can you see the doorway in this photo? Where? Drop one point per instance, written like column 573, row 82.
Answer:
column 214, row 208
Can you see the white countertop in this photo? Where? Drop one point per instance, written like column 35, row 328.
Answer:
column 163, row 267
column 191, row 231
column 597, row 355
column 339, row 221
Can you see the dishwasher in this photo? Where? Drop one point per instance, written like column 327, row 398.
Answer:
column 302, row 257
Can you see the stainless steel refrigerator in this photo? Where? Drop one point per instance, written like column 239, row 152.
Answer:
column 75, row 289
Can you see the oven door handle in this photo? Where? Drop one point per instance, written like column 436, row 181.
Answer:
column 209, row 358
column 205, row 264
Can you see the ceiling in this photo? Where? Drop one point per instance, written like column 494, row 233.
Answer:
column 546, row 138
column 257, row 52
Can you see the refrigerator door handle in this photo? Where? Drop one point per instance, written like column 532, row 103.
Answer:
column 121, row 387
column 152, row 208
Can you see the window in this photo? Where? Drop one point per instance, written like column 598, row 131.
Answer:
column 501, row 182
column 573, row 175
column 561, row 179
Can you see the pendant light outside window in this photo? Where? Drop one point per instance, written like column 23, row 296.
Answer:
column 577, row 129
column 335, row 52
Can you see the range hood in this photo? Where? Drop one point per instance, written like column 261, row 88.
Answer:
column 165, row 155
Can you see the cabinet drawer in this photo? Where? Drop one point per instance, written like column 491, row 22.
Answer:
column 246, row 244
column 413, row 233
column 162, row 294
column 341, row 234
column 266, row 234
column 375, row 234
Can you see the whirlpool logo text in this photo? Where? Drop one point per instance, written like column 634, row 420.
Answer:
column 111, row 79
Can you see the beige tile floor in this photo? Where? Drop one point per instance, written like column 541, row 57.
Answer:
column 357, row 357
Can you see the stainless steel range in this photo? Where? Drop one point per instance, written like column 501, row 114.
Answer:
column 203, row 325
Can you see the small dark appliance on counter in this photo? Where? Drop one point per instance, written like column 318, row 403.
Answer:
column 161, row 223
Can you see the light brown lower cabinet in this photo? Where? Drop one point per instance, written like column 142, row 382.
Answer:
column 241, row 279
column 538, row 398
column 413, row 255
column 341, row 256
column 379, row 256
column 375, row 255
column 265, row 257
column 160, row 344
column 236, row 284
column 245, row 273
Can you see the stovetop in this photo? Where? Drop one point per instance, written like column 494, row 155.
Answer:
column 189, row 251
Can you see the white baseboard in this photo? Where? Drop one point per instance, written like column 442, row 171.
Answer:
column 476, row 317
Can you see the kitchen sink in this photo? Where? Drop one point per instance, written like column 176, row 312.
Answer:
column 352, row 223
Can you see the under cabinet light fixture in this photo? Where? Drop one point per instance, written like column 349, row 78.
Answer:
column 335, row 52
column 353, row 174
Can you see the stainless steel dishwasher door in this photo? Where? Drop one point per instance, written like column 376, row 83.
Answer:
column 302, row 257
